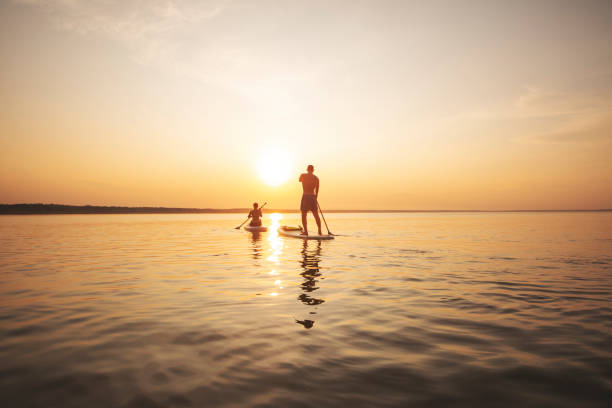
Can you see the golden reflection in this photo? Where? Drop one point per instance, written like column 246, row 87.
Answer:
column 276, row 247
column 276, row 244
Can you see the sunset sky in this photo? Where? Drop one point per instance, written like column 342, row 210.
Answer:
column 399, row 105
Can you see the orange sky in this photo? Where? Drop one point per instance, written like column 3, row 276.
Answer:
column 398, row 104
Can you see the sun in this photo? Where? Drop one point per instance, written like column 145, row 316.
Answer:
column 274, row 168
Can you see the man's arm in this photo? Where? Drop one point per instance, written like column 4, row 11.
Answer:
column 301, row 176
column 317, row 186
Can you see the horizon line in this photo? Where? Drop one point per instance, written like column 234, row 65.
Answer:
column 52, row 208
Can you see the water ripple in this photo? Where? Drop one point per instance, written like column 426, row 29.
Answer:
column 406, row 310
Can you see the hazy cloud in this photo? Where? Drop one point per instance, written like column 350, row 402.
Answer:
column 537, row 102
column 246, row 51
column 127, row 20
column 588, row 127
column 150, row 30
column 573, row 117
column 561, row 116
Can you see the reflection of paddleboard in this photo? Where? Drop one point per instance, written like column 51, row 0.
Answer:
column 255, row 229
column 296, row 233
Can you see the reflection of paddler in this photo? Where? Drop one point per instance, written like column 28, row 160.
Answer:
column 256, row 242
column 306, row 323
column 310, row 264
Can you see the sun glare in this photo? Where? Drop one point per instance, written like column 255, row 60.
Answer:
column 274, row 169
column 275, row 217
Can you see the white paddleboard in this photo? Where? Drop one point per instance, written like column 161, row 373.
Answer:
column 255, row 229
column 298, row 234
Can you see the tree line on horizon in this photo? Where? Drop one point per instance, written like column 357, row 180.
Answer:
column 38, row 208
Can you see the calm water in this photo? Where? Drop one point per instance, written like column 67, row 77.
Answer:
column 406, row 310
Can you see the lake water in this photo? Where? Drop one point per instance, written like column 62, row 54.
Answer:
column 446, row 309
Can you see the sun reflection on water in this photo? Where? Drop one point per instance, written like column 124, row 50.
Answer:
column 276, row 248
column 276, row 244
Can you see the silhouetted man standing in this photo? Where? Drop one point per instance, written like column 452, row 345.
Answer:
column 310, row 185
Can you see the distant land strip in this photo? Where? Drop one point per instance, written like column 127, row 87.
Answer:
column 23, row 209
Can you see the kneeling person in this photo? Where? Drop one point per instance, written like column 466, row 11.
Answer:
column 256, row 215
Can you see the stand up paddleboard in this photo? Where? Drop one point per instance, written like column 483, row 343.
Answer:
column 255, row 229
column 297, row 233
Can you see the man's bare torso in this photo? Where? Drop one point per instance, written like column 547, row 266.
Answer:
column 310, row 183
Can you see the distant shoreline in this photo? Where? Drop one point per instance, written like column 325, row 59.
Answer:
column 41, row 209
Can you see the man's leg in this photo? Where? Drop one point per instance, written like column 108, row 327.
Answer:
column 318, row 220
column 305, row 221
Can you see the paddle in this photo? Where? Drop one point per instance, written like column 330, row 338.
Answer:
column 238, row 227
column 328, row 231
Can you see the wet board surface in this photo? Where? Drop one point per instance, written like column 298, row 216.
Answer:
column 297, row 234
column 255, row 229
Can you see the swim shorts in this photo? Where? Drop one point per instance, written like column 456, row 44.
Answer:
column 309, row 203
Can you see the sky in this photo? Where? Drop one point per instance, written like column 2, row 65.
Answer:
column 490, row 105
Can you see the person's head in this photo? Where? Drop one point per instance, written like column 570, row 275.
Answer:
column 310, row 168
column 255, row 205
